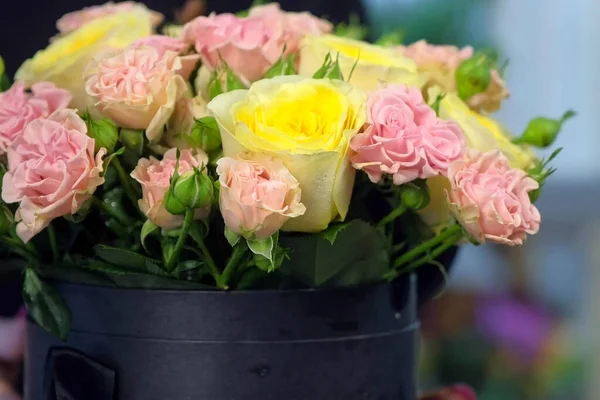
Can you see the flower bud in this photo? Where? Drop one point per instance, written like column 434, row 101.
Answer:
column 133, row 139
column 193, row 190
column 173, row 205
column 329, row 69
column 414, row 196
column 283, row 66
column 205, row 134
column 474, row 75
column 6, row 219
column 103, row 131
column 542, row 131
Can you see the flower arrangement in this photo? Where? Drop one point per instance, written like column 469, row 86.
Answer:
column 253, row 151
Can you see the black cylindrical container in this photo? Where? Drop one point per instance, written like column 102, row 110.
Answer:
column 340, row 344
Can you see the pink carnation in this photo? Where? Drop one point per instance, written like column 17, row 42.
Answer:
column 155, row 177
column 491, row 200
column 429, row 55
column 52, row 171
column 163, row 44
column 18, row 108
column 137, row 88
column 250, row 46
column 76, row 19
column 405, row 138
column 257, row 196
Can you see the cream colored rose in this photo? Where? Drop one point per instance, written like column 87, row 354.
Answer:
column 375, row 64
column 63, row 62
column 306, row 123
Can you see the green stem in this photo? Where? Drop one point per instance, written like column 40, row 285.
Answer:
column 20, row 248
column 214, row 270
column 398, row 247
column 424, row 247
column 125, row 181
column 239, row 251
column 102, row 206
column 53, row 243
column 187, row 224
column 398, row 211
column 434, row 254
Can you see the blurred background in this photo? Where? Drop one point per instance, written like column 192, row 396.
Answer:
column 517, row 324
column 521, row 324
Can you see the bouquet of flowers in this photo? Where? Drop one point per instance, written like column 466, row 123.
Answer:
column 250, row 151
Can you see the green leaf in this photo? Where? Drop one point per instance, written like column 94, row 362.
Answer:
column 332, row 231
column 231, row 237
column 358, row 256
column 188, row 265
column 46, row 306
column 266, row 248
column 129, row 260
column 147, row 229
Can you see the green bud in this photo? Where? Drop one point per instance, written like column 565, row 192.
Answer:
column 194, row 190
column 103, row 131
column 6, row 219
column 474, row 75
column 390, row 39
column 2, row 67
column 542, row 131
column 205, row 134
column 414, row 196
column 133, row 139
column 329, row 69
column 283, row 66
column 265, row 264
column 214, row 86
column 173, row 205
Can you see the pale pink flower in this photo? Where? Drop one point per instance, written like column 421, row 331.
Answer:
column 405, row 138
column 492, row 98
column 251, row 45
column 429, row 55
column 76, row 19
column 18, row 108
column 137, row 88
column 155, row 176
column 258, row 195
column 189, row 61
column 491, row 200
column 52, row 171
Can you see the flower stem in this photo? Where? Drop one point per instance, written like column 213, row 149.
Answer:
column 53, row 243
column 239, row 251
column 214, row 270
column 398, row 211
column 187, row 224
column 125, row 181
column 102, row 206
column 434, row 254
column 422, row 248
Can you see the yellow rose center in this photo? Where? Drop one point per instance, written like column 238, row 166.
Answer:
column 298, row 117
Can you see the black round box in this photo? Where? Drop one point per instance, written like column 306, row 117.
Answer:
column 339, row 344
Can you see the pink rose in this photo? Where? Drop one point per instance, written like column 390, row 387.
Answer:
column 76, row 19
column 250, row 46
column 189, row 62
column 429, row 56
column 137, row 88
column 491, row 200
column 52, row 171
column 155, row 177
column 405, row 138
column 492, row 98
column 257, row 195
column 18, row 108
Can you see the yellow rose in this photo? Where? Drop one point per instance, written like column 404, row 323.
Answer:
column 63, row 62
column 308, row 124
column 481, row 133
column 375, row 63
